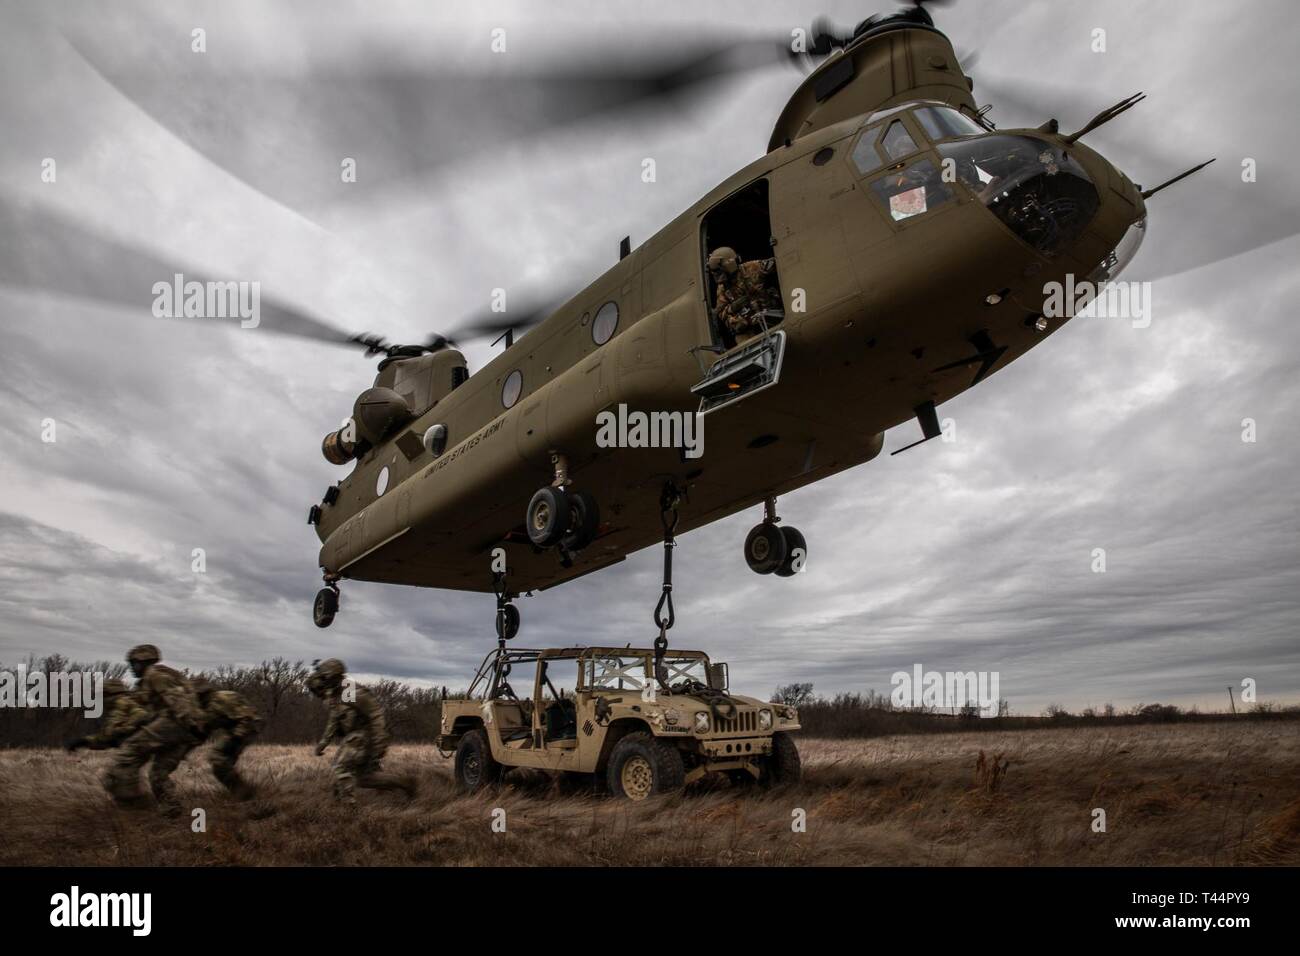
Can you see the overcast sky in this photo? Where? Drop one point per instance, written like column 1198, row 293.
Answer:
column 975, row 555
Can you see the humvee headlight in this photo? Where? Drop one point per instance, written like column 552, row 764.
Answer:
column 702, row 722
column 764, row 720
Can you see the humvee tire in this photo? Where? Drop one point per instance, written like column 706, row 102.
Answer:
column 783, row 765
column 642, row 766
column 475, row 767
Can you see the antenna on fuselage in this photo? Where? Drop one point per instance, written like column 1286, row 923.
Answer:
column 1148, row 193
column 1106, row 115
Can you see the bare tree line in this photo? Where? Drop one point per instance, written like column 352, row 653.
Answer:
column 875, row 715
column 290, row 714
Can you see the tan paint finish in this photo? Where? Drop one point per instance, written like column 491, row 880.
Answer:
column 851, row 370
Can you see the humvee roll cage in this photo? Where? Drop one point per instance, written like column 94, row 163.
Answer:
column 491, row 678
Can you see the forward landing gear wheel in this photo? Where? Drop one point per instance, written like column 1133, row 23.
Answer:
column 326, row 606
column 548, row 516
column 765, row 548
column 507, row 621
column 584, row 520
column 796, row 552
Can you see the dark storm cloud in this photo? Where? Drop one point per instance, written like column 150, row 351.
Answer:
column 973, row 555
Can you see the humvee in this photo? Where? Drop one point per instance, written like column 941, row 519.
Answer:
column 613, row 717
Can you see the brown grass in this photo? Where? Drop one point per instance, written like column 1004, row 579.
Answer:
column 1177, row 794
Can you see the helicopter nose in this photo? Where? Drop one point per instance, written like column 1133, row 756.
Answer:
column 1121, row 218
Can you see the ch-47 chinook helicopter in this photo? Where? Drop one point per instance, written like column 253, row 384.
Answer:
column 912, row 244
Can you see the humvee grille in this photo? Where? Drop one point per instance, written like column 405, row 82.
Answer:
column 587, row 728
column 744, row 722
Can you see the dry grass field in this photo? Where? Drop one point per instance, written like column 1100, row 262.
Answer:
column 1173, row 794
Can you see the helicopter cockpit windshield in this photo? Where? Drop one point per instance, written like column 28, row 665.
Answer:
column 944, row 122
column 1038, row 190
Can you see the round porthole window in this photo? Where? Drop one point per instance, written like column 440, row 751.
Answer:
column 606, row 321
column 512, row 389
column 381, row 483
column 435, row 439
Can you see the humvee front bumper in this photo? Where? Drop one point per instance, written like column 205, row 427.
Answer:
column 732, row 748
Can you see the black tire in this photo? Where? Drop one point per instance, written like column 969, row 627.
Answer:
column 547, row 519
column 655, row 765
column 584, row 521
column 796, row 549
column 507, row 622
column 475, row 766
column 764, row 548
column 783, row 765
column 325, row 607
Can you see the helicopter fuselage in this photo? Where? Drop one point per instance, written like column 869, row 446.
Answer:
column 897, row 285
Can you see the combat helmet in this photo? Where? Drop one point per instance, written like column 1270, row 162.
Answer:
column 723, row 260
column 143, row 654
column 327, row 673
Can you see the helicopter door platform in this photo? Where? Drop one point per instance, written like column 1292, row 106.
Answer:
column 752, row 367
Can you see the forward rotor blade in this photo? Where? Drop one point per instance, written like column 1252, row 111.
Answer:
column 285, row 134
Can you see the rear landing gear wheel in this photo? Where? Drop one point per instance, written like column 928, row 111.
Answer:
column 796, row 552
column 547, row 520
column 326, row 606
column 765, row 548
column 584, row 520
column 507, row 621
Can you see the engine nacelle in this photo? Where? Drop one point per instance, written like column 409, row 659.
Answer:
column 378, row 413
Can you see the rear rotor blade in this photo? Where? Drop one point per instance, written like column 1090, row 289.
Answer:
column 42, row 251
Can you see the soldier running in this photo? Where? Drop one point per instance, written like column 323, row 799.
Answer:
column 123, row 716
column 356, row 717
column 232, row 723
column 174, row 727
column 743, row 290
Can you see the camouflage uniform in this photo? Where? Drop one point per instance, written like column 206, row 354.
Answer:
column 174, row 728
column 232, row 724
column 742, row 294
column 360, row 724
column 124, row 715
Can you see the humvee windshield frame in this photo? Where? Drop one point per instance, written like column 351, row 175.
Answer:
column 629, row 667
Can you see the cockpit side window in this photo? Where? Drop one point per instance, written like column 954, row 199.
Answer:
column 897, row 142
column 911, row 191
column 865, row 157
